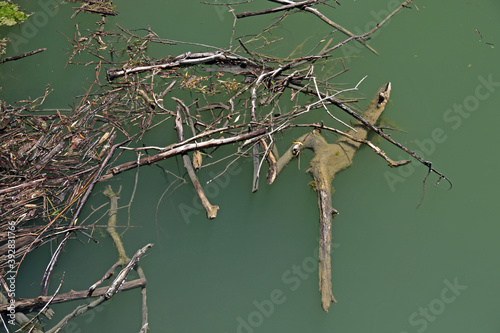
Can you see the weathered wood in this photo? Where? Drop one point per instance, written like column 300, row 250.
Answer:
column 32, row 304
column 328, row 160
column 182, row 149
column 120, row 278
column 185, row 59
column 209, row 208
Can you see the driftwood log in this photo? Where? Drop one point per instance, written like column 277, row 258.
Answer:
column 329, row 159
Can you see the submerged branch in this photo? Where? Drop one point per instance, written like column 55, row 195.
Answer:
column 109, row 292
column 377, row 130
column 329, row 159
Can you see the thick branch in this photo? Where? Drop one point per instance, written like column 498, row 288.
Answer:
column 328, row 160
column 375, row 129
column 116, row 285
column 186, row 59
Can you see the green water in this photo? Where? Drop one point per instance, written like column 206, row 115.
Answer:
column 395, row 268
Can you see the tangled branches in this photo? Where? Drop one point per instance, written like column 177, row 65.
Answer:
column 241, row 95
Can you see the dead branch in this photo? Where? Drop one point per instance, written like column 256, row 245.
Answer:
column 115, row 286
column 109, row 292
column 24, row 55
column 278, row 9
column 377, row 130
column 328, row 21
column 329, row 159
column 185, row 59
column 209, row 208
column 366, row 34
column 122, row 256
column 183, row 149
column 34, row 304
column 376, row 149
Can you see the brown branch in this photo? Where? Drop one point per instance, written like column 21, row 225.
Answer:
column 48, row 312
column 271, row 160
column 24, row 55
column 21, row 186
column 115, row 287
column 186, row 59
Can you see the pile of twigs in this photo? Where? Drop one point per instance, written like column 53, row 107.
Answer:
column 48, row 160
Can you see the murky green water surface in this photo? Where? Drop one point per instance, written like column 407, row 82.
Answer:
column 395, row 268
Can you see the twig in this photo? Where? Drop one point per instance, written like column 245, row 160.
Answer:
column 328, row 21
column 366, row 34
column 45, row 306
column 277, row 9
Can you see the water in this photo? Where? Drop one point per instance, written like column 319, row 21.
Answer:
column 395, row 268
